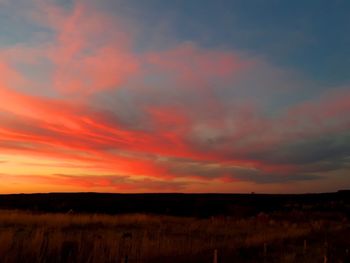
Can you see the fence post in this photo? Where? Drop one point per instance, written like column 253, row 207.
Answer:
column 325, row 258
column 125, row 247
column 215, row 260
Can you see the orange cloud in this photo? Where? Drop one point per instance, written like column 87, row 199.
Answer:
column 190, row 67
column 90, row 51
column 190, row 123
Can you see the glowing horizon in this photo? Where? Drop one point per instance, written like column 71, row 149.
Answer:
column 121, row 97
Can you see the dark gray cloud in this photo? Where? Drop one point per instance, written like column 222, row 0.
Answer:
column 267, row 178
column 325, row 148
column 207, row 170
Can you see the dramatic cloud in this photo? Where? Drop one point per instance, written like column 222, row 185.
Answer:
column 84, row 108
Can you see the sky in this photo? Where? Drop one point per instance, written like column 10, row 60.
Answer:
column 130, row 96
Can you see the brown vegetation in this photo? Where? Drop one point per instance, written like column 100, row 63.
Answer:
column 28, row 237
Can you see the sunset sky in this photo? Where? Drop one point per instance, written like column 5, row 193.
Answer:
column 229, row 96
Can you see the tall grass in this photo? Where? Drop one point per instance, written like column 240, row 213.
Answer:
column 28, row 237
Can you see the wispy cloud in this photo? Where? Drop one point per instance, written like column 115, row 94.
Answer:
column 154, row 117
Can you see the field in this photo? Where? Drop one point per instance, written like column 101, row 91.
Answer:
column 58, row 237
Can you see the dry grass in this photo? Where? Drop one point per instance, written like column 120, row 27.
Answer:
column 27, row 237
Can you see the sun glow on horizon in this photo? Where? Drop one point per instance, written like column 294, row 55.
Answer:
column 95, row 98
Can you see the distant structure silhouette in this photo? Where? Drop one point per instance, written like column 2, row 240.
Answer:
column 71, row 211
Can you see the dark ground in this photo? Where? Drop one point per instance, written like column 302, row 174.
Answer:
column 196, row 205
column 240, row 227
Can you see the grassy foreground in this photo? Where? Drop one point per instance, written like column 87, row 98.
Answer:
column 28, row 237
